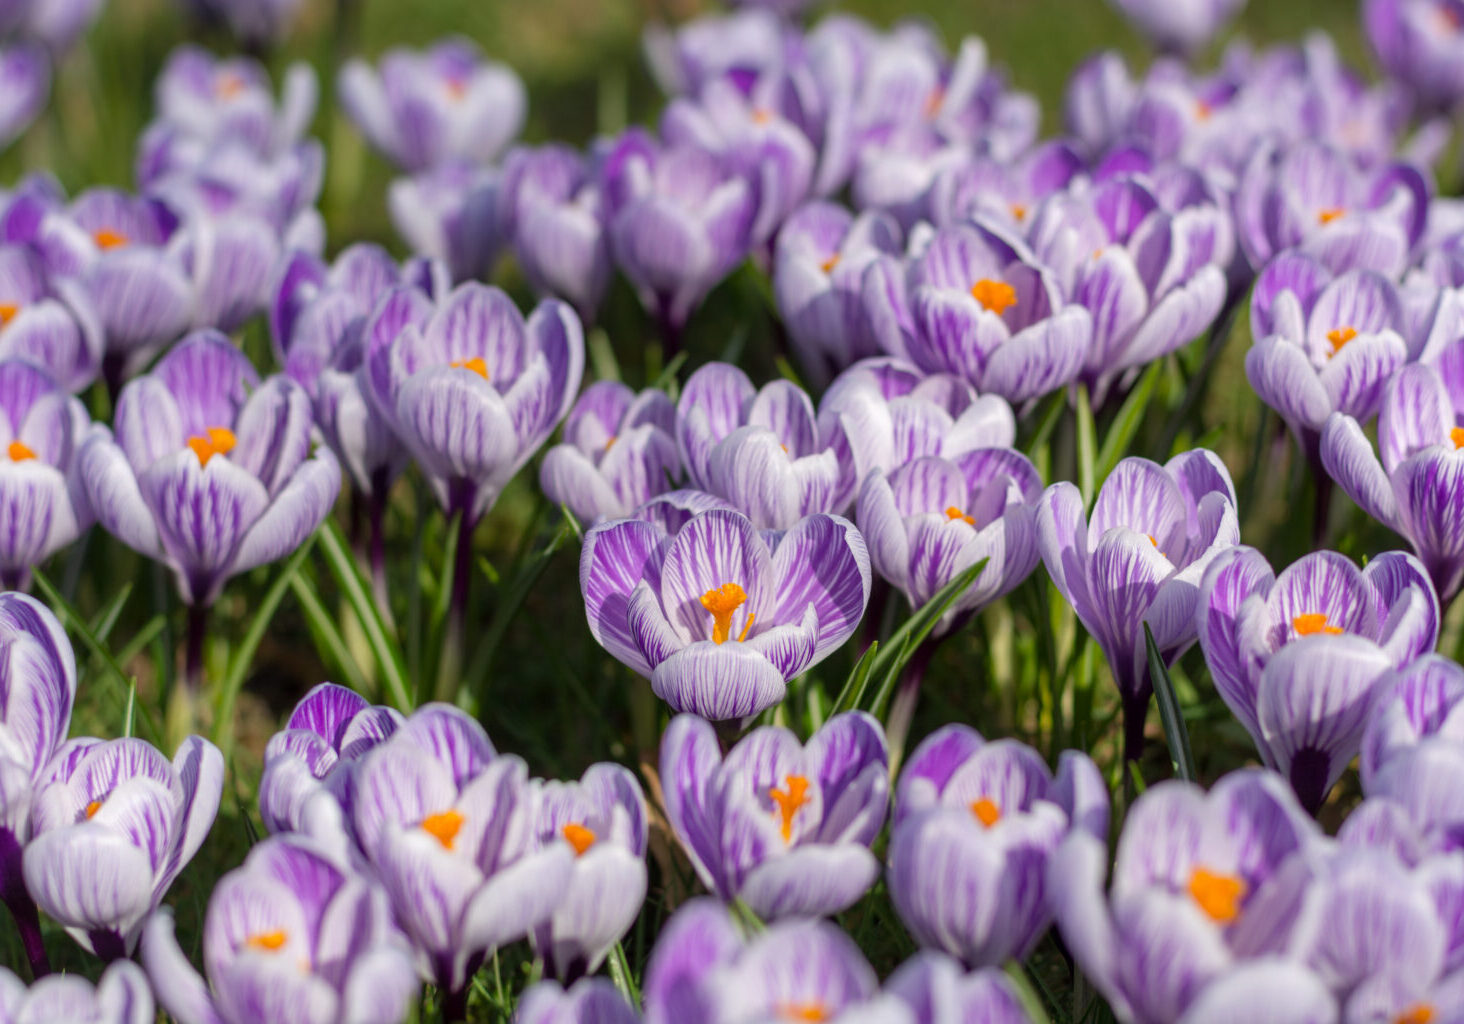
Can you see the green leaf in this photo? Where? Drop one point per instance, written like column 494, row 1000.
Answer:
column 852, row 695
column 1130, row 415
column 337, row 653
column 101, row 626
column 358, row 594
column 1051, row 413
column 667, row 376
column 1175, row 733
column 1032, row 1004
column 622, row 976
column 1086, row 459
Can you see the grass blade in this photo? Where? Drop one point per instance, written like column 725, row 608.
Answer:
column 1175, row 733
column 358, row 594
column 1126, row 425
column 852, row 695
column 328, row 636
column 1087, row 460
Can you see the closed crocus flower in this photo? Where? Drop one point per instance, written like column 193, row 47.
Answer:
column 125, row 254
column 49, row 322
column 449, row 826
column 1315, row 198
column 43, row 500
column 113, row 824
column 1414, row 487
column 587, row 1001
column 1299, row 657
column 25, row 74
column 1419, row 45
column 59, row 25
column 680, row 220
column 1198, row 895
column 231, row 98
column 1180, row 27
column 938, row 990
column 618, row 452
column 981, row 307
column 449, row 214
column 818, row 272
column 294, row 935
column 934, row 518
column 122, row 996
column 1003, row 192
column 1324, row 344
column 211, row 470
column 550, row 209
column 718, row 617
column 975, row 824
column 309, row 764
column 231, row 258
column 603, row 816
column 783, row 826
column 471, row 387
column 742, row 43
column 423, row 109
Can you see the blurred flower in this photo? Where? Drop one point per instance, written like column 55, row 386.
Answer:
column 1419, row 44
column 60, row 23
column 449, row 826
column 114, row 823
column 1004, row 192
column 25, row 84
column 718, row 617
column 449, row 214
column 784, row 827
column 291, row 936
column 1300, row 657
column 253, row 22
column 424, row 109
column 618, row 452
column 603, row 816
column 50, row 323
column 214, row 100
column 1180, row 26
column 211, row 471
column 738, row 45
column 122, row 996
column 1138, row 560
column 975, row 824
column 587, row 1001
column 938, row 991
column 232, row 258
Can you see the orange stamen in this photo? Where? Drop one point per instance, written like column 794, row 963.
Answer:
column 228, row 85
column 994, row 295
column 611, row 443
column 456, row 88
column 1330, row 214
column 1340, row 336
column 1019, row 212
column 579, row 837
column 789, row 801
column 762, row 115
column 828, row 265
column 267, row 941
column 19, row 451
column 92, row 809
column 986, row 811
column 722, row 602
column 215, row 441
column 8, row 312
column 1421, row 1013
column 803, row 1011
column 1457, row 436
column 1219, row 896
column 475, row 364
column 934, row 101
column 1314, row 622
column 109, row 239
column 954, row 513
column 443, row 827
column 1202, row 110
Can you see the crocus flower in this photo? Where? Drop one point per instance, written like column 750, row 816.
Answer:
column 470, row 387
column 216, row 99
column 1000, row 191
column 939, row 991
column 49, row 322
column 782, row 826
column 679, row 222
column 933, row 518
column 449, row 214
column 1314, row 197
column 1182, row 27
column 719, row 617
column 25, row 82
column 449, row 826
column 444, row 104
column 587, row 1001
column 981, row 307
column 1415, row 489
column 740, row 44
column 1138, row 560
column 1411, row 755
column 818, row 270
column 125, row 255
column 231, row 259
column 43, row 500
column 293, row 935
column 619, row 451
column 113, row 824
column 1419, row 44
column 603, row 816
column 1299, row 657
column 1190, row 905
column 211, row 470
column 309, row 764
column 121, row 996
column 1324, row 344
column 551, row 210
column 253, row 22
column 703, row 969
column 975, row 824
column 59, row 25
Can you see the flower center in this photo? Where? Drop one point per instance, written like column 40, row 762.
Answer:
column 954, row 513
column 269, row 942
column 1340, row 336
column 788, row 801
column 443, row 827
column 1457, row 436
column 579, row 837
column 1219, row 896
column 1202, row 110
column 19, row 451
column 456, row 88
column 228, row 85
column 1450, row 20
column 8, row 312
column 828, row 265
column 995, row 296
column 722, row 602
column 1420, row 1013
column 933, row 101
column 1019, row 211
column 475, row 364
column 762, row 115
column 214, row 441
column 92, row 809
column 804, row 1011
column 986, row 811
column 1330, row 214
column 109, row 239
column 1314, row 622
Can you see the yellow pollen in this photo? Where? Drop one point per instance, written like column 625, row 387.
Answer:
column 1202, row 110
column 19, row 451
column 1019, row 211
column 8, row 312
column 611, row 443
column 475, row 364
column 1330, row 214
column 443, row 827
column 788, row 801
column 215, row 441
column 828, row 265
column 954, row 513
column 803, row 1011
column 1219, row 896
column 267, row 941
column 109, row 239
column 579, row 837
column 1314, row 622
column 986, row 811
column 1420, row 1013
column 1457, row 436
column 92, row 809
column 722, row 602
column 1340, row 336
column 994, row 295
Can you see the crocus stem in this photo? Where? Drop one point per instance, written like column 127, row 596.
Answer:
column 193, row 653
column 376, row 516
column 670, row 334
column 449, row 669
column 1135, row 715
column 28, row 923
column 108, row 945
column 454, row 1005
column 112, row 366
column 902, row 708
column 1309, row 779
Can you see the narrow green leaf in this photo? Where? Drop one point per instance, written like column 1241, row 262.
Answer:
column 1175, row 732
column 101, row 625
column 358, row 594
column 622, row 976
column 853, row 692
column 1036, row 1012
column 1086, row 458
column 129, row 716
column 667, row 376
column 1137, row 778
column 337, row 653
column 1051, row 413
column 1130, row 415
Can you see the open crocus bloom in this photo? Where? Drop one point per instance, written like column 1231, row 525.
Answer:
column 122, row 996
column 1412, row 756
column 587, row 1001
column 1306, row 709
column 230, row 100
column 938, row 990
column 716, row 616
column 782, row 826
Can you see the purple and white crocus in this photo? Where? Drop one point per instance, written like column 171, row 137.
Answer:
column 47, row 320
column 121, row 996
